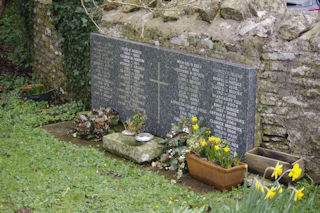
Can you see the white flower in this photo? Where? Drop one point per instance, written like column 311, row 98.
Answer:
column 74, row 135
column 170, row 150
column 186, row 130
column 182, row 157
column 83, row 118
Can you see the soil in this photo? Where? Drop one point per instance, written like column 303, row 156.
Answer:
column 60, row 131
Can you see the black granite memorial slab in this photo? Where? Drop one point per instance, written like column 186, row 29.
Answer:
column 167, row 85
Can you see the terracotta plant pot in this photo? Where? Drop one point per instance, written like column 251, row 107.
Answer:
column 29, row 86
column 258, row 159
column 215, row 175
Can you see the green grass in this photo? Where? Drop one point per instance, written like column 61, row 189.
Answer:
column 43, row 174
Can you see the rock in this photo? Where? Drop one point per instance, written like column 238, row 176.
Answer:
column 110, row 5
column 234, row 9
column 261, row 29
column 170, row 15
column 129, row 148
column 131, row 8
column 278, row 6
column 296, row 23
column 181, row 40
column 208, row 9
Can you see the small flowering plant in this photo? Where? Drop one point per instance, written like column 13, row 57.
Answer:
column 213, row 148
column 275, row 198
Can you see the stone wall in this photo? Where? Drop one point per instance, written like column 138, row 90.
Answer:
column 48, row 57
column 283, row 44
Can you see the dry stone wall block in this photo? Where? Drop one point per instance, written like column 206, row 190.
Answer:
column 234, row 9
column 278, row 6
column 295, row 23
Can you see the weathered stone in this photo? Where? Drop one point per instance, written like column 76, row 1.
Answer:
column 294, row 101
column 295, row 24
column 110, row 5
column 261, row 29
column 129, row 148
column 182, row 40
column 170, row 15
column 274, row 130
column 133, row 5
column 278, row 6
column 269, row 99
column 278, row 56
column 208, row 9
column 234, row 9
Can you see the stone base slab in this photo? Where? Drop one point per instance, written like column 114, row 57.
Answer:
column 129, row 148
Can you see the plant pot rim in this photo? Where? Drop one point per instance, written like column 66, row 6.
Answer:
column 29, row 86
column 221, row 169
column 251, row 152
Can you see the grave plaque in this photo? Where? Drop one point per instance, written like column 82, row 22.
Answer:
column 167, row 85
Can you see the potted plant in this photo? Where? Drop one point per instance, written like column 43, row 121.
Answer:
column 36, row 92
column 209, row 158
column 133, row 125
column 258, row 159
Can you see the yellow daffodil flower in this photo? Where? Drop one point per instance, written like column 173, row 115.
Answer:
column 259, row 186
column 296, row 172
column 280, row 190
column 226, row 149
column 209, row 132
column 271, row 193
column 203, row 143
column 211, row 139
column 195, row 127
column 298, row 195
column 277, row 171
column 216, row 147
column 218, row 140
column 194, row 119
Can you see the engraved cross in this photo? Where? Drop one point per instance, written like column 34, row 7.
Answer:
column 159, row 84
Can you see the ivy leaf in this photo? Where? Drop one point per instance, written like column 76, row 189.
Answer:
column 84, row 22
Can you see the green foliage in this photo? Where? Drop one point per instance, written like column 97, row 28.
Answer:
column 74, row 28
column 256, row 200
column 16, row 32
column 135, row 123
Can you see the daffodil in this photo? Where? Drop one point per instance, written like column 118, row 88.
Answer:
column 194, row 119
column 195, row 127
column 259, row 186
column 209, row 132
column 203, row 143
column 218, row 140
column 226, row 149
column 298, row 195
column 211, row 139
column 280, row 190
column 216, row 147
column 271, row 193
column 277, row 170
column 296, row 172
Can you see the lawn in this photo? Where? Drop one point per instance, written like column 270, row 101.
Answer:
column 42, row 174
